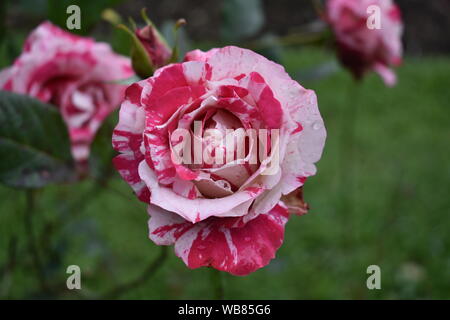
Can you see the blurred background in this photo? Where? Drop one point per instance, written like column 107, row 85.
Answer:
column 390, row 208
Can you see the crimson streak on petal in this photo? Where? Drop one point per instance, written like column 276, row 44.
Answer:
column 222, row 243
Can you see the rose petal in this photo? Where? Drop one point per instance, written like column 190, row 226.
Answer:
column 237, row 250
column 199, row 209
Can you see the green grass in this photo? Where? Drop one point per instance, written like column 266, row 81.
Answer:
column 396, row 175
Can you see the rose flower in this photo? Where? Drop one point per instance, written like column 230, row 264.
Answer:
column 362, row 46
column 223, row 214
column 73, row 73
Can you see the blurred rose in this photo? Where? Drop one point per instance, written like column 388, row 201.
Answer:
column 74, row 74
column 156, row 47
column 225, row 215
column 361, row 48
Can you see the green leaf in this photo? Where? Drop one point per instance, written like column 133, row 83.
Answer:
column 241, row 19
column 102, row 152
column 34, row 143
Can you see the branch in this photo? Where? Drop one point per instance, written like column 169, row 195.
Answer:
column 9, row 266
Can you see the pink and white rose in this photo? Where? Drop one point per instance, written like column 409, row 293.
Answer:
column 361, row 48
column 73, row 73
column 228, row 216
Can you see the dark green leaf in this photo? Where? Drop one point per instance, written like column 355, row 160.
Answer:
column 102, row 153
column 34, row 143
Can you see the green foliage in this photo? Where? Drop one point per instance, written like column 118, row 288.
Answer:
column 241, row 19
column 100, row 159
column 10, row 48
column 34, row 143
column 90, row 12
column 270, row 47
column 399, row 220
column 177, row 38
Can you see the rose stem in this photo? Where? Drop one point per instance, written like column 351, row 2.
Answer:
column 347, row 157
column 217, row 282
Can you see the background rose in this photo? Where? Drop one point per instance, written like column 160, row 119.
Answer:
column 229, row 217
column 73, row 73
column 361, row 49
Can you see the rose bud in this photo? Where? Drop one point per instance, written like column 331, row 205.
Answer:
column 149, row 50
column 155, row 45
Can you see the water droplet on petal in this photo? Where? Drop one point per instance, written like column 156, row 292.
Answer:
column 317, row 125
